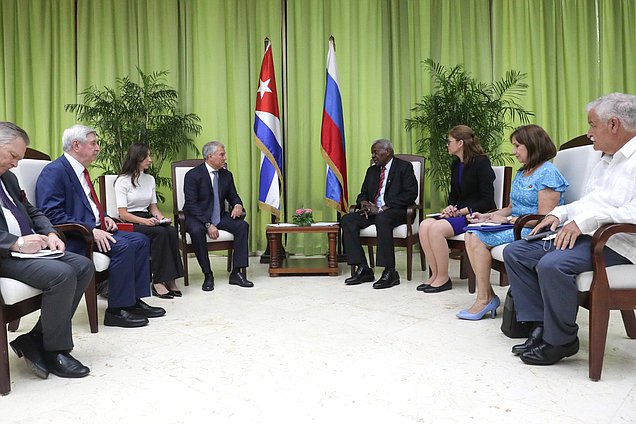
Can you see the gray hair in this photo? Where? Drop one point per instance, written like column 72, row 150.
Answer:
column 384, row 144
column 616, row 105
column 211, row 148
column 76, row 132
column 10, row 131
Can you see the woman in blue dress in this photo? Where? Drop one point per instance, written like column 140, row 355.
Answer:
column 538, row 187
column 471, row 190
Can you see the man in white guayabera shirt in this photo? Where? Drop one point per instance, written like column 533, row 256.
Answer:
column 542, row 279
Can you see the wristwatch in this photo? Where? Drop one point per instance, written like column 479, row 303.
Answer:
column 509, row 219
column 20, row 244
column 207, row 225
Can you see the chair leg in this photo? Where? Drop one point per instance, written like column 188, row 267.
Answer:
column 472, row 283
column 5, row 378
column 503, row 279
column 14, row 325
column 184, row 256
column 409, row 262
column 630, row 323
column 90, row 295
column 371, row 257
column 422, row 259
column 599, row 319
column 464, row 265
column 230, row 252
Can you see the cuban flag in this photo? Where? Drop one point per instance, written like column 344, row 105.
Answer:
column 267, row 137
column 333, row 140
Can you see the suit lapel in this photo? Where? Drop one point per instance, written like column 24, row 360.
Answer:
column 77, row 186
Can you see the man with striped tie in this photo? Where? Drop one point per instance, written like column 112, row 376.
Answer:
column 388, row 188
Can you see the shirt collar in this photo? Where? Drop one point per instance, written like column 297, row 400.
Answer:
column 210, row 169
column 75, row 164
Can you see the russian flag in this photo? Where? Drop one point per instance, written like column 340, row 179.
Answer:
column 333, row 140
column 267, row 137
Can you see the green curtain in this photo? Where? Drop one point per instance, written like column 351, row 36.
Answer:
column 38, row 68
column 572, row 50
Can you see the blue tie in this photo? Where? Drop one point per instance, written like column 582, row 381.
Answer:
column 216, row 205
column 25, row 227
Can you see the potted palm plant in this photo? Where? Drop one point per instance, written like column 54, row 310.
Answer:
column 144, row 112
column 458, row 98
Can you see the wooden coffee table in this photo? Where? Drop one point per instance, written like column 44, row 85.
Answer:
column 302, row 266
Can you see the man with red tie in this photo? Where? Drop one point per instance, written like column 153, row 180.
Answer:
column 388, row 188
column 66, row 195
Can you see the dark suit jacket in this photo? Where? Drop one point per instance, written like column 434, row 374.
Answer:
column 197, row 189
column 61, row 197
column 401, row 185
column 475, row 190
column 38, row 221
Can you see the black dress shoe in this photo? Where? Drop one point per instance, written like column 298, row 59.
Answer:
column 167, row 295
column 547, row 354
column 362, row 275
column 535, row 339
column 141, row 308
column 208, row 283
column 389, row 278
column 29, row 346
column 123, row 318
column 422, row 286
column 432, row 289
column 64, row 365
column 238, row 279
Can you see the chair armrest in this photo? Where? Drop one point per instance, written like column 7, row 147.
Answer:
column 83, row 230
column 600, row 238
column 522, row 220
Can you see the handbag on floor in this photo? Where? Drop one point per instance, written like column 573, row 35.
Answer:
column 510, row 326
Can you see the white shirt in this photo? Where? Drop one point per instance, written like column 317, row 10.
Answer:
column 609, row 197
column 79, row 172
column 210, row 172
column 380, row 201
column 13, row 226
column 135, row 199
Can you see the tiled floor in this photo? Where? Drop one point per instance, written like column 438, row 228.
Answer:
column 310, row 349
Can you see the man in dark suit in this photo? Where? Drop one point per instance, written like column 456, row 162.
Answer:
column 25, row 229
column 66, row 195
column 206, row 188
column 388, row 188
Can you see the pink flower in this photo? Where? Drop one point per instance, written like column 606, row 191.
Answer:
column 309, row 211
column 299, row 211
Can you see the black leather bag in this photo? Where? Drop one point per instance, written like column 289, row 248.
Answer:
column 510, row 326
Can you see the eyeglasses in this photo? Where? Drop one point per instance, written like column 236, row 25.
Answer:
column 450, row 141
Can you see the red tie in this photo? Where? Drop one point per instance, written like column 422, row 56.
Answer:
column 377, row 194
column 95, row 199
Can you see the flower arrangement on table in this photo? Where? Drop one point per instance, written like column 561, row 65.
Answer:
column 303, row 217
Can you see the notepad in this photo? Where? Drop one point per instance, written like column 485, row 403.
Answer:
column 42, row 254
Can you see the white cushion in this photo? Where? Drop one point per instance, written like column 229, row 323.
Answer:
column 458, row 237
column 223, row 236
column 398, row 232
column 14, row 291
column 618, row 276
column 101, row 261
column 111, row 198
column 575, row 165
column 28, row 171
column 497, row 252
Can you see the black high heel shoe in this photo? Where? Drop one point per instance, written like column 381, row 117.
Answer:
column 161, row 296
column 175, row 293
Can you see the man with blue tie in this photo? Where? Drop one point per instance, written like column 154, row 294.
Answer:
column 206, row 188
column 388, row 188
column 25, row 229
column 66, row 195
